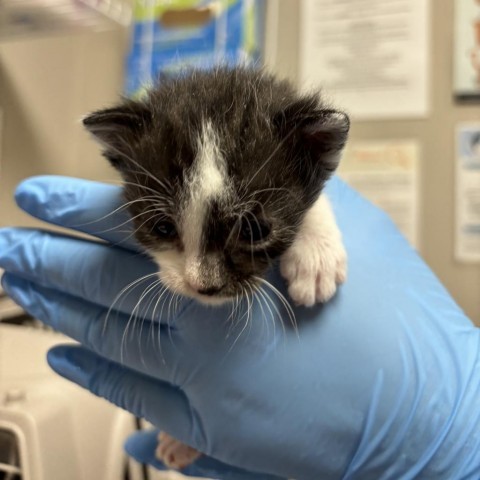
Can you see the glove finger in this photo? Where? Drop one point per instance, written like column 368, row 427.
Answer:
column 110, row 277
column 156, row 401
column 141, row 446
column 141, row 344
column 163, row 405
column 89, row 207
column 113, row 278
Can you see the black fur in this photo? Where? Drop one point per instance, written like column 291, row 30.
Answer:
column 280, row 147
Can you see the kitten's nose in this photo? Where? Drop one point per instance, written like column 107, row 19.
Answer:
column 209, row 290
column 205, row 275
column 203, row 289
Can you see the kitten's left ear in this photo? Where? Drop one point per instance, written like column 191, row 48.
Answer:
column 118, row 129
column 324, row 137
column 318, row 133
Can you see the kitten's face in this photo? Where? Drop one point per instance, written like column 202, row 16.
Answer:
column 219, row 169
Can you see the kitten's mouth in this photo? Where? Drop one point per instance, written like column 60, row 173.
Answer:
column 213, row 296
column 215, row 299
column 209, row 297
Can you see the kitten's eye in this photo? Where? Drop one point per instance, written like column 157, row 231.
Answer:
column 165, row 230
column 254, row 230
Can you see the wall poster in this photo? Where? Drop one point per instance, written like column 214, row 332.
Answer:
column 467, row 198
column 387, row 173
column 467, row 50
column 372, row 56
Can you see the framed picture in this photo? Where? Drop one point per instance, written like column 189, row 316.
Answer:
column 467, row 50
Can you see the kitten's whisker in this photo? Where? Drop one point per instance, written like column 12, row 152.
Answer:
column 175, row 305
column 283, row 300
column 169, row 311
column 159, row 331
column 270, row 189
column 235, row 308
column 153, row 210
column 251, row 237
column 134, row 317
column 149, row 219
column 143, row 318
column 239, row 303
column 247, row 313
column 144, row 171
column 243, row 313
column 165, row 186
column 169, row 315
column 237, row 228
column 163, row 306
column 146, row 309
column 269, row 301
column 264, row 248
column 129, row 220
column 141, row 187
column 259, row 301
column 121, row 207
column 136, row 311
column 250, row 315
column 175, row 295
column 161, row 207
column 124, row 293
column 232, row 231
column 262, row 294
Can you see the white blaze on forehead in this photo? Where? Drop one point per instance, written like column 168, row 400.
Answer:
column 210, row 169
column 207, row 180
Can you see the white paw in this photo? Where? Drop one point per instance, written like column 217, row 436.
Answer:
column 313, row 267
column 175, row 454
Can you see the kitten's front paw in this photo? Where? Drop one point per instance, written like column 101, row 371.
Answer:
column 313, row 267
column 174, row 454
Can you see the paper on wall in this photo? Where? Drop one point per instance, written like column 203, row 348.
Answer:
column 467, row 235
column 371, row 55
column 1, row 136
column 387, row 174
column 467, row 49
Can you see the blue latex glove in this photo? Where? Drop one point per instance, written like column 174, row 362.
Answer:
column 380, row 383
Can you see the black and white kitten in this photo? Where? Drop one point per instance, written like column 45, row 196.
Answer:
column 224, row 171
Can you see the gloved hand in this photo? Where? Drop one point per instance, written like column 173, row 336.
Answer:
column 382, row 382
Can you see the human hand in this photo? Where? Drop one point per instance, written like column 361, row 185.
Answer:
column 381, row 382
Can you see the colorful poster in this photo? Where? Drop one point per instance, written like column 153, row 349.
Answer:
column 373, row 56
column 467, row 236
column 467, row 50
column 169, row 36
column 387, row 174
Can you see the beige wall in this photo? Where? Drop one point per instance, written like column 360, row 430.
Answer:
column 47, row 84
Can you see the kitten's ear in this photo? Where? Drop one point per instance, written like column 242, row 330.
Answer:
column 325, row 136
column 118, row 129
column 320, row 133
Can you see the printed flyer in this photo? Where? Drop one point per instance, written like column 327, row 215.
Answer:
column 387, row 174
column 467, row 50
column 467, row 237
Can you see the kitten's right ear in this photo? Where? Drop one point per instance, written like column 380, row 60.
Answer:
column 118, row 129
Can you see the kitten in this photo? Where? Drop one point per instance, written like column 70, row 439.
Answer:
column 224, row 170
